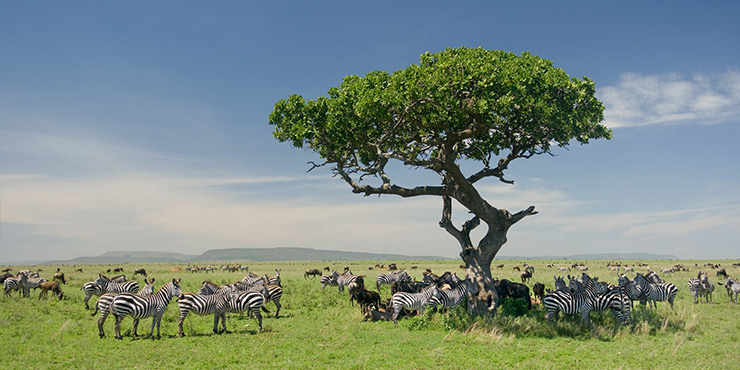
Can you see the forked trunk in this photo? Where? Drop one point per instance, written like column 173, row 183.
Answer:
column 484, row 300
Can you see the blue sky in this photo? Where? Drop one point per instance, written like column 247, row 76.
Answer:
column 143, row 126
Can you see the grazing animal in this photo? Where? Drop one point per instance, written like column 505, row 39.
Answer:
column 377, row 315
column 344, row 279
column 140, row 272
column 708, row 287
column 13, row 283
column 247, row 301
column 722, row 273
column 696, row 288
column 53, row 286
column 733, row 288
column 525, row 275
column 208, row 287
column 408, row 286
column 538, row 289
column 203, row 304
column 31, row 282
column 154, row 306
column 312, row 273
column 109, row 286
column 452, row 298
column 78, row 270
column 580, row 301
column 366, row 299
column 656, row 292
column 275, row 280
column 412, row 301
column 505, row 288
column 328, row 280
column 105, row 300
column 391, row 278
column 91, row 289
column 500, row 266
column 60, row 276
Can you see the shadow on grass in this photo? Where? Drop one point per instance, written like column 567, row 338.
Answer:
column 515, row 320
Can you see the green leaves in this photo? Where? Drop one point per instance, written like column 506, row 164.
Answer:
column 479, row 102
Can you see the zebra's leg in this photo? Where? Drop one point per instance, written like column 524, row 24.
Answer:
column 117, row 327
column 158, row 320
column 101, row 321
column 180, row 332
column 278, row 305
column 136, row 326
column 396, row 312
column 223, row 321
column 215, row 323
column 258, row 315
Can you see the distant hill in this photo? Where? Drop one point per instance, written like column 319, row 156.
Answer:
column 239, row 254
column 602, row 256
column 309, row 254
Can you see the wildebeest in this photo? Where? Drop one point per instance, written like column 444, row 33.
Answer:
column 722, row 273
column 505, row 288
column 5, row 276
column 78, row 270
column 366, row 299
column 525, row 275
column 407, row 286
column 118, row 269
column 60, row 276
column 538, row 290
column 377, row 315
column 50, row 285
column 139, row 272
column 327, row 268
column 311, row 272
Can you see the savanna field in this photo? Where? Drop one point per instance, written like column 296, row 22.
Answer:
column 319, row 328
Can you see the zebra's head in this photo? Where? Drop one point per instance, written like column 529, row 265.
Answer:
column 148, row 288
column 101, row 280
column 173, row 288
column 623, row 280
column 560, row 283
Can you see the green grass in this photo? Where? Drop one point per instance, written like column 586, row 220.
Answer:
column 319, row 329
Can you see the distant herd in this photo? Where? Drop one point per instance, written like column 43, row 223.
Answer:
column 573, row 295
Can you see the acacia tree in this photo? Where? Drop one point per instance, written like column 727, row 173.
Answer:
column 488, row 106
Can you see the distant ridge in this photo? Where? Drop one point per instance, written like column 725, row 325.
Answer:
column 601, row 256
column 239, row 254
column 308, row 254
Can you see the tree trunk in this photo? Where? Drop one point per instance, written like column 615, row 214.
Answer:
column 478, row 260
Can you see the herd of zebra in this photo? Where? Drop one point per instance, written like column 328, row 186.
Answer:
column 572, row 295
column 122, row 298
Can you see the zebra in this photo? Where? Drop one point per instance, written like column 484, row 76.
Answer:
column 208, row 288
column 328, row 280
column 275, row 280
column 203, row 304
column 251, row 301
column 451, row 298
column 105, row 300
column 126, row 304
column 412, row 301
column 654, row 278
column 391, row 278
column 613, row 298
column 656, row 292
column 733, row 288
column 13, row 283
column 708, row 287
column 344, row 279
column 251, row 280
column 29, row 282
column 272, row 293
column 579, row 301
column 91, row 289
column 109, row 286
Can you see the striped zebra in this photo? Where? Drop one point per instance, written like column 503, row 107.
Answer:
column 91, row 289
column 613, row 299
column 13, row 283
column 30, row 282
column 344, row 279
column 204, row 304
column 733, row 288
column 250, row 301
column 392, row 277
column 696, row 288
column 274, row 293
column 633, row 292
column 656, row 292
column 708, row 288
column 103, row 304
column 275, row 280
column 412, row 301
column 208, row 288
column 154, row 306
column 451, row 298
column 328, row 280
column 251, row 280
column 654, row 278
column 580, row 301
column 109, row 286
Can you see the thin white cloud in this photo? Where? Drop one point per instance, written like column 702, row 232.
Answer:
column 639, row 100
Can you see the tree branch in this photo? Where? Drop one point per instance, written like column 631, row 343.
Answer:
column 387, row 188
column 521, row 214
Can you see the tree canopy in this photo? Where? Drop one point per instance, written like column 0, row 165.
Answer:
column 461, row 103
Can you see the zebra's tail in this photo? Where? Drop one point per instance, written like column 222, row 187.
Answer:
column 96, row 308
column 265, row 309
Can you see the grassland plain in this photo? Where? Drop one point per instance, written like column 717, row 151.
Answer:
column 319, row 329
